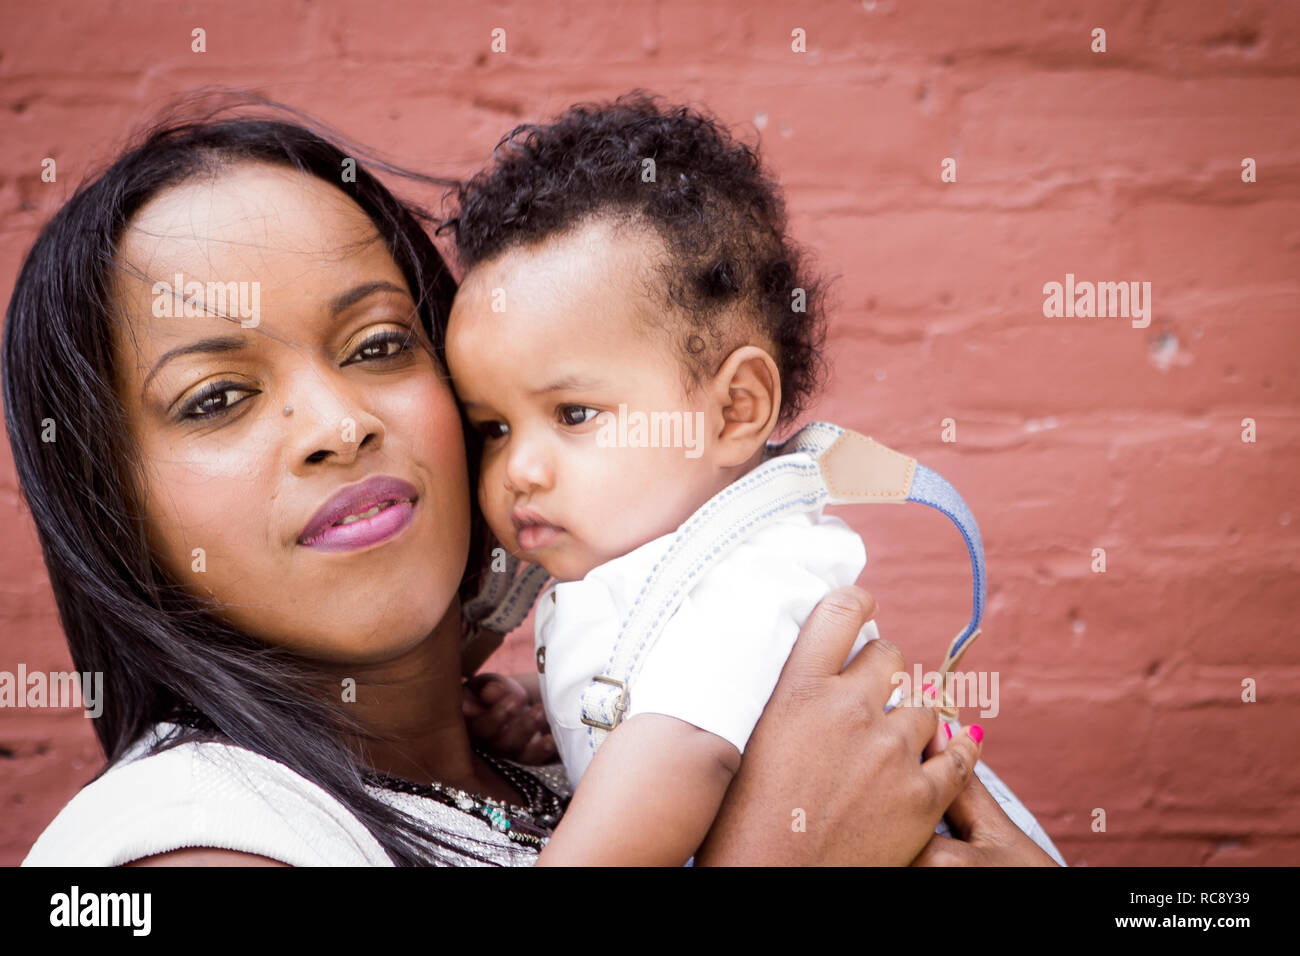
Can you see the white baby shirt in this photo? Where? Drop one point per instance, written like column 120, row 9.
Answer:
column 718, row 659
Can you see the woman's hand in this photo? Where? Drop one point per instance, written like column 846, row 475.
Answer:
column 985, row 835
column 828, row 777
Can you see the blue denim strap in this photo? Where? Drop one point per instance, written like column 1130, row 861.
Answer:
column 929, row 488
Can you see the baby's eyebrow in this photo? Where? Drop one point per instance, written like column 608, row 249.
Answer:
column 572, row 382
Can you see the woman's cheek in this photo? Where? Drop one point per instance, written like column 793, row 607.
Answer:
column 425, row 428
column 492, row 497
column 442, row 417
column 210, row 508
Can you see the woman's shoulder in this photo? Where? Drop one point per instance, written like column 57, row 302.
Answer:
column 202, row 794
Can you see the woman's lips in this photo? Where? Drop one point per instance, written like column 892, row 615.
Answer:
column 361, row 515
column 366, row 531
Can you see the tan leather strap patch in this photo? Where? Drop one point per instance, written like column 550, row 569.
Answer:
column 858, row 468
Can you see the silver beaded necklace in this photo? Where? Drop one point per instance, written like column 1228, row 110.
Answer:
column 531, row 825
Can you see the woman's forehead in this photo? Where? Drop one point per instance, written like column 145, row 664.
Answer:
column 245, row 216
column 256, row 233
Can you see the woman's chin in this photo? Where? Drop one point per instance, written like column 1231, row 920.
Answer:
column 369, row 642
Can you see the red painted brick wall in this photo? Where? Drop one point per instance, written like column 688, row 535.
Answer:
column 1119, row 690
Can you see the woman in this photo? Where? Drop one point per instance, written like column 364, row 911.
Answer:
column 219, row 354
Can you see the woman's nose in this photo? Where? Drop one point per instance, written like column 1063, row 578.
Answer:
column 329, row 423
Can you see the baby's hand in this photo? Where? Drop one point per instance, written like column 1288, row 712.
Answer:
column 503, row 719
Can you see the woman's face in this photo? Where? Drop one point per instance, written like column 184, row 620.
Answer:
column 239, row 497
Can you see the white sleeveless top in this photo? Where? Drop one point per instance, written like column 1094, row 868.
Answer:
column 218, row 795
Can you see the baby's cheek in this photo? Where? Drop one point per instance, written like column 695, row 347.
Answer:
column 630, row 522
column 664, row 480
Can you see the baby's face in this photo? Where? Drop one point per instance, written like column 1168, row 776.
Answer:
column 545, row 343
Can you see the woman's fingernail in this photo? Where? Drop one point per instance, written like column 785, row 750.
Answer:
column 976, row 732
column 947, row 730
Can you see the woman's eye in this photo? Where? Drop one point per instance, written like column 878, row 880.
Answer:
column 381, row 346
column 214, row 400
column 493, row 429
column 577, row 414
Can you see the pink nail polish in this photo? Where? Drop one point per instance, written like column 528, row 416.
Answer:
column 947, row 730
column 976, row 732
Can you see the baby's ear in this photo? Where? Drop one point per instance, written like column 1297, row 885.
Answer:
column 747, row 392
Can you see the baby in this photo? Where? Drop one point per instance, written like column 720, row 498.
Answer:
column 632, row 327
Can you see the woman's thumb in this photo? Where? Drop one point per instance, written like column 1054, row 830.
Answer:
column 953, row 770
column 973, row 802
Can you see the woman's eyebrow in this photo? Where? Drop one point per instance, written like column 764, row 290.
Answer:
column 356, row 294
column 217, row 345
column 233, row 343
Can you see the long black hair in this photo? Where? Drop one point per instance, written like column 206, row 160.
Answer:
column 165, row 655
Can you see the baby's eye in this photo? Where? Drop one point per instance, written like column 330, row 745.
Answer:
column 493, row 429
column 577, row 414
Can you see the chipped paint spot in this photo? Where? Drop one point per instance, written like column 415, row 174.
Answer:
column 1164, row 351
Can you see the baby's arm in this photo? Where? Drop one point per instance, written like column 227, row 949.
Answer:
column 647, row 799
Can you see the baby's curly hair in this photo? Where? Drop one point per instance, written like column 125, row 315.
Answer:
column 720, row 216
